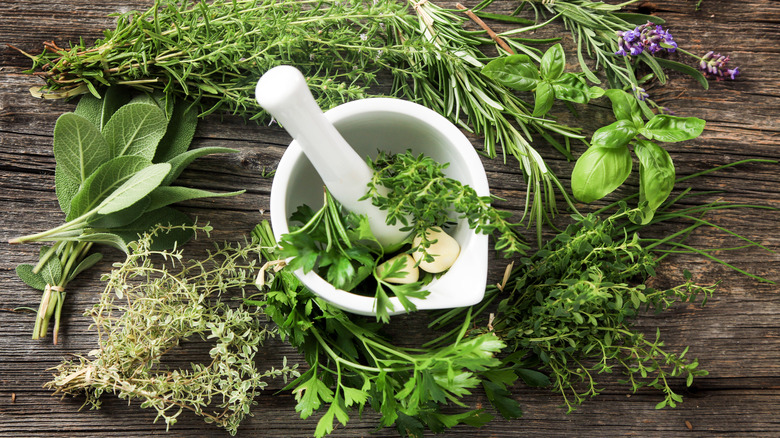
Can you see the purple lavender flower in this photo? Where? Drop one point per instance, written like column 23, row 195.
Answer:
column 714, row 64
column 648, row 37
column 640, row 93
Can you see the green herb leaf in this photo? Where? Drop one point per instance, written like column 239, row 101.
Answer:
column 135, row 129
column 181, row 161
column 167, row 195
column 599, row 171
column 553, row 63
column 515, row 71
column 121, row 217
column 88, row 262
column 573, row 88
column 99, row 111
column 656, row 177
column 105, row 180
column 625, row 106
column 79, row 148
column 65, row 189
column 51, row 272
column 544, row 96
column 687, row 69
column 135, row 188
column 616, row 135
column 178, row 136
column 668, row 128
column 34, row 280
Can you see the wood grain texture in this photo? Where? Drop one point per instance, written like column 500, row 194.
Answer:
column 736, row 336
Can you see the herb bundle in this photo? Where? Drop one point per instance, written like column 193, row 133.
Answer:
column 116, row 160
column 148, row 310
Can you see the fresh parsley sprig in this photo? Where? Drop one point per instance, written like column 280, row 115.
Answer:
column 353, row 367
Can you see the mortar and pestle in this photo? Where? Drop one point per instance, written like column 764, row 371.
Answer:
column 329, row 149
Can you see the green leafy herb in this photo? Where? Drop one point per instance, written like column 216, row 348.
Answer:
column 148, row 310
column 352, row 367
column 116, row 158
column 607, row 162
column 339, row 246
column 416, row 188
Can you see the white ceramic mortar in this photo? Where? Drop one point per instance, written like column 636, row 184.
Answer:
column 394, row 126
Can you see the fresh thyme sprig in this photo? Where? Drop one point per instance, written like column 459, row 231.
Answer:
column 148, row 310
column 416, row 188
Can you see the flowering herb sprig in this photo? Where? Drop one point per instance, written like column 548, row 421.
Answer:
column 715, row 64
column 649, row 36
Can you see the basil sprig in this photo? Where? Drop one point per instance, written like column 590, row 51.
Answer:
column 116, row 158
column 548, row 81
column 607, row 163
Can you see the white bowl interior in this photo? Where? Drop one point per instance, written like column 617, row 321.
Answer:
column 394, row 126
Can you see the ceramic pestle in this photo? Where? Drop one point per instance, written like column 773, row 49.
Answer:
column 283, row 92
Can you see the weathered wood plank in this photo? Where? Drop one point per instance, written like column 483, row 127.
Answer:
column 736, row 336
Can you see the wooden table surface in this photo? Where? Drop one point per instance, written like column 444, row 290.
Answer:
column 736, row 336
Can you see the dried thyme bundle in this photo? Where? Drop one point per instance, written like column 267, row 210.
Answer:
column 148, row 310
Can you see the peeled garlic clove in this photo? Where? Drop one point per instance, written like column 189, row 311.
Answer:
column 412, row 273
column 444, row 251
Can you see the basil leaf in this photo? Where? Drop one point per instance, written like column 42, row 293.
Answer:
column 79, row 148
column 544, row 97
column 178, row 136
column 553, row 63
column 135, row 129
column 515, row 71
column 164, row 240
column 181, row 161
column 625, row 106
column 572, row 88
column 135, row 188
column 167, row 195
column 35, row 281
column 667, row 128
column 105, row 180
column 599, row 171
column 615, row 135
column 656, row 177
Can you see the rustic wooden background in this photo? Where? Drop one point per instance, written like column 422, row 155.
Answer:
column 736, row 336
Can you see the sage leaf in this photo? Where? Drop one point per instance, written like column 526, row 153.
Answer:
column 65, row 188
column 181, row 161
column 135, row 129
column 105, row 238
column 553, row 63
column 166, row 195
column 165, row 240
column 614, row 135
column 51, row 272
column 121, row 217
column 158, row 99
column 26, row 274
column 625, row 106
column 515, row 71
column 543, row 98
column 656, row 177
column 669, row 129
column 105, row 180
column 79, row 148
column 135, row 188
column 88, row 262
column 599, row 171
column 181, row 130
column 99, row 111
